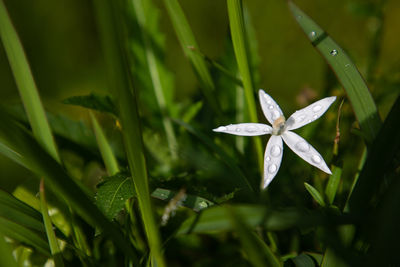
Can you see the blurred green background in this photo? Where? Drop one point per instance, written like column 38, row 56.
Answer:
column 62, row 46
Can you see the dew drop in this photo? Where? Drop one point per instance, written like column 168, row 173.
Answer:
column 275, row 114
column 272, row 168
column 316, row 108
column 302, row 146
column 301, row 118
column 268, row 159
column 299, row 17
column 251, row 129
column 315, row 117
column 309, row 121
column 269, row 101
column 316, row 159
column 334, row 52
column 275, row 151
column 313, row 34
column 238, row 129
column 221, row 128
column 347, row 65
column 271, row 107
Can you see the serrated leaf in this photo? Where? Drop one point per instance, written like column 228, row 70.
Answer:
column 315, row 194
column 361, row 100
column 93, row 101
column 112, row 194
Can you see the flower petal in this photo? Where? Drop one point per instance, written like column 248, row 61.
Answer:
column 272, row 159
column 309, row 113
column 245, row 129
column 305, row 151
column 270, row 108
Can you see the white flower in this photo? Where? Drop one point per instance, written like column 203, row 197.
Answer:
column 281, row 130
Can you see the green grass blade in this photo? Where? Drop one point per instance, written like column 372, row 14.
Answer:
column 236, row 21
column 381, row 155
column 25, row 83
column 105, row 149
column 44, row 165
column 51, row 236
column 357, row 91
column 154, row 71
column 111, row 29
column 6, row 258
column 189, row 45
column 251, row 243
column 333, row 184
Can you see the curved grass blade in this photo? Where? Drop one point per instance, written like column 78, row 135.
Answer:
column 44, row 165
column 333, row 184
column 93, row 101
column 113, row 36
column 236, row 21
column 26, row 84
column 189, row 45
column 252, row 243
column 361, row 100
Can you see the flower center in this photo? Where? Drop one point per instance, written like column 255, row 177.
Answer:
column 278, row 127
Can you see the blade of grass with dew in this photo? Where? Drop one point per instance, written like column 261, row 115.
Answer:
column 37, row 160
column 106, row 152
column 357, row 91
column 315, row 194
column 154, row 65
column 54, row 248
column 6, row 258
column 113, row 40
column 236, row 22
column 189, row 45
column 240, row 179
column 258, row 253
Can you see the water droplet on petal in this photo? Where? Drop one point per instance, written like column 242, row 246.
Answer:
column 301, row 118
column 238, row 129
column 275, row 114
column 316, row 159
column 334, row 52
column 221, row 128
column 302, row 146
column 309, row 121
column 272, row 168
column 268, row 159
column 251, row 128
column 275, row 151
column 313, row 34
column 315, row 117
column 269, row 101
column 271, row 107
column 316, row 108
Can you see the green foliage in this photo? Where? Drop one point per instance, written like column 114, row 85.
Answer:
column 93, row 101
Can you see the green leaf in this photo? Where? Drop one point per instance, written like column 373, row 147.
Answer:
column 93, row 101
column 112, row 194
column 258, row 253
column 315, row 194
column 357, row 91
column 333, row 184
column 303, row 260
column 189, row 45
column 236, row 21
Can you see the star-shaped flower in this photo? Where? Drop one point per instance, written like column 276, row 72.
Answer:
column 281, row 130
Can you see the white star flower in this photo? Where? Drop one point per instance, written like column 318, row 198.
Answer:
column 281, row 130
